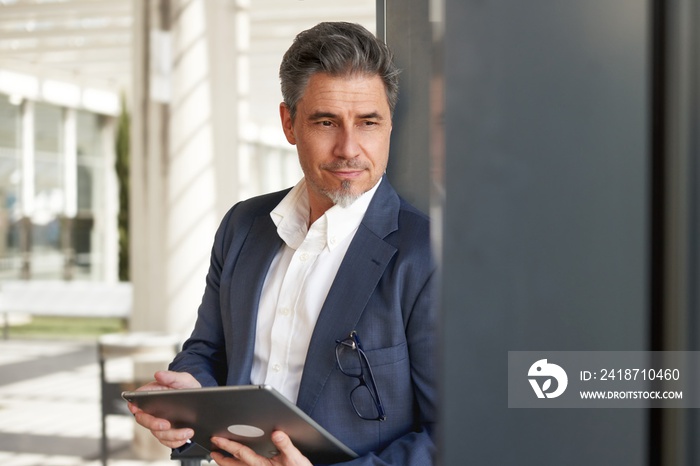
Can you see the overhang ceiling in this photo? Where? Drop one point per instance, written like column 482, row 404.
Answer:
column 86, row 42
column 71, row 48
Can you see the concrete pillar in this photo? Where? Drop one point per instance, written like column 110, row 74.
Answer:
column 408, row 32
column 183, row 154
column 190, row 189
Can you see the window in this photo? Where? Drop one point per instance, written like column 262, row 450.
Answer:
column 48, row 244
column 9, row 187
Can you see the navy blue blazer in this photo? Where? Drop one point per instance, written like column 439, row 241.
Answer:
column 383, row 290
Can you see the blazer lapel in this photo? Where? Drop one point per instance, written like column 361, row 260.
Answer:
column 356, row 280
column 250, row 270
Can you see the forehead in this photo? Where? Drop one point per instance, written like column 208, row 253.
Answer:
column 324, row 91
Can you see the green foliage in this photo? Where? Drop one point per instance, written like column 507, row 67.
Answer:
column 69, row 328
column 122, row 168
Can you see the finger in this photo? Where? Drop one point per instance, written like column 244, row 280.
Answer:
column 288, row 450
column 174, row 379
column 223, row 460
column 162, row 429
column 154, row 385
column 133, row 409
column 240, row 452
column 151, row 422
column 173, row 438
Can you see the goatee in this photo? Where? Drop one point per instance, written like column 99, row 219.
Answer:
column 344, row 196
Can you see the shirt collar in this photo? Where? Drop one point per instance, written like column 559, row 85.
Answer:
column 292, row 215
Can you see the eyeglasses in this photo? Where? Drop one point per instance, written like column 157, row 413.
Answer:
column 344, row 356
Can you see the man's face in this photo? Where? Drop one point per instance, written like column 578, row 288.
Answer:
column 341, row 129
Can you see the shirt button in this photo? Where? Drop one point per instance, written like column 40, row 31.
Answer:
column 276, row 368
column 333, row 240
column 284, row 311
column 304, row 257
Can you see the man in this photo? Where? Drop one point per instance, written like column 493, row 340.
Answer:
column 298, row 278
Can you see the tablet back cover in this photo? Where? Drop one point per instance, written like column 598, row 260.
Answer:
column 247, row 414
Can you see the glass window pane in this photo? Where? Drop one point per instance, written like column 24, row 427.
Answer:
column 53, row 239
column 89, row 158
column 47, row 257
column 87, row 241
column 9, row 188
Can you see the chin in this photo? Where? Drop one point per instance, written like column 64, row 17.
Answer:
column 344, row 195
column 343, row 198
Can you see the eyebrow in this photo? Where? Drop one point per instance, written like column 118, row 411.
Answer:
column 367, row 116
column 322, row 115
column 371, row 116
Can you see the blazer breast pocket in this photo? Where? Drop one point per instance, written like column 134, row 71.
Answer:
column 387, row 356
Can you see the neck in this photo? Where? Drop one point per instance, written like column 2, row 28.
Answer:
column 317, row 212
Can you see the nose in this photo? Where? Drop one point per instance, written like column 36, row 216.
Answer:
column 347, row 144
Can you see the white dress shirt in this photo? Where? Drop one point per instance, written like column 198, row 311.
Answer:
column 297, row 283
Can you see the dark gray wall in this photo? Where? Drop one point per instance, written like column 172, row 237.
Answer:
column 407, row 29
column 545, row 232
column 565, row 202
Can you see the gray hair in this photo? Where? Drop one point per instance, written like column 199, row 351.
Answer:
column 338, row 49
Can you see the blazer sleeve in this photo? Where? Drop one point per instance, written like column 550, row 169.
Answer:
column 206, row 354
column 203, row 355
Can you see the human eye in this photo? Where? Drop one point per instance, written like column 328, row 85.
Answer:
column 323, row 123
column 369, row 124
column 370, row 120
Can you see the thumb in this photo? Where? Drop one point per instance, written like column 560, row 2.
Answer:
column 281, row 440
column 286, row 448
column 172, row 379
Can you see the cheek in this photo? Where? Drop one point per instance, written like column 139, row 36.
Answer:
column 309, row 159
column 381, row 165
column 316, row 150
column 380, row 156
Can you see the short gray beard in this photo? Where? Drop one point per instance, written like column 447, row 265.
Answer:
column 342, row 197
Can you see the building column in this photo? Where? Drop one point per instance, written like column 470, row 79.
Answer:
column 183, row 153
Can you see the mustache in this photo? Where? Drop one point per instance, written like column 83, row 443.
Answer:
column 351, row 164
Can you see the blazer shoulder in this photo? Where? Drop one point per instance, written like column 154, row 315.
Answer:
column 409, row 211
column 411, row 238
column 258, row 205
column 240, row 216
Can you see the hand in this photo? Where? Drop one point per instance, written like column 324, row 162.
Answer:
column 242, row 455
column 161, row 428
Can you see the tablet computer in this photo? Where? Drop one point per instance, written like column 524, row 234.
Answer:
column 247, row 414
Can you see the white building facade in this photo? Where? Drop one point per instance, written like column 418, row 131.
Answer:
column 206, row 134
column 200, row 79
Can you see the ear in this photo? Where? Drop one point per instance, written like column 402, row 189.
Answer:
column 287, row 123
